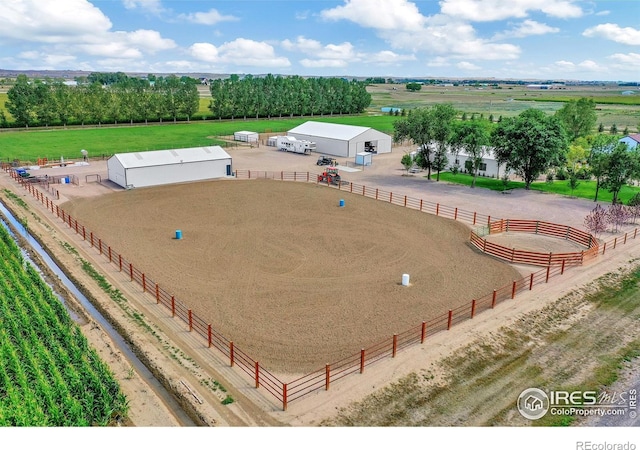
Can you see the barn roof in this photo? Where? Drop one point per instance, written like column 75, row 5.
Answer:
column 173, row 156
column 329, row 130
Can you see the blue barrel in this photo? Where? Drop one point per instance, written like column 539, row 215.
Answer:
column 178, row 234
column 341, row 203
column 67, row 180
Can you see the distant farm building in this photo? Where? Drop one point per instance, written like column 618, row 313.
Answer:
column 342, row 140
column 628, row 92
column 246, row 136
column 141, row 169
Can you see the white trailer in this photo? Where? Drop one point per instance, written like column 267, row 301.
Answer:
column 291, row 144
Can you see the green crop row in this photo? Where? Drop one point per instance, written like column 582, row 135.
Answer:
column 49, row 375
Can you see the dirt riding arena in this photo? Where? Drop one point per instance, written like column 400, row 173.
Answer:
column 281, row 269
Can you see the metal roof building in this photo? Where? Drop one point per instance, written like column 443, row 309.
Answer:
column 342, row 140
column 153, row 168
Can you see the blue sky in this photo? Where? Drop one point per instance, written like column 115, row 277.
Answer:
column 523, row 39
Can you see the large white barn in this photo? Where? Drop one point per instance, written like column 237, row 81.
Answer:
column 342, row 140
column 140, row 169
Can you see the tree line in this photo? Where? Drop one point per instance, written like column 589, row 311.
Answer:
column 117, row 98
column 52, row 102
column 272, row 96
column 530, row 145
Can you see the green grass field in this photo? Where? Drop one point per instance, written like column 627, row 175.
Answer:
column 53, row 143
column 585, row 189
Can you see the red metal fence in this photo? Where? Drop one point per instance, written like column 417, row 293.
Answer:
column 322, row 378
column 536, row 227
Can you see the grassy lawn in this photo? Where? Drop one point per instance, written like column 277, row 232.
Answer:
column 29, row 145
column 585, row 189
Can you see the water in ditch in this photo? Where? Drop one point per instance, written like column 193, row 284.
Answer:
column 7, row 218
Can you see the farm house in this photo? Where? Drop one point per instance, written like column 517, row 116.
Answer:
column 246, row 136
column 140, row 169
column 342, row 140
column 488, row 167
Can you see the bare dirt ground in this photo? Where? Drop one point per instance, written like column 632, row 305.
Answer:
column 167, row 352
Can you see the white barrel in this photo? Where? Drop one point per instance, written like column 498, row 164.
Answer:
column 405, row 279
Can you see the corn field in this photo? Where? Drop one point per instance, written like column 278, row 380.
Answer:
column 49, row 376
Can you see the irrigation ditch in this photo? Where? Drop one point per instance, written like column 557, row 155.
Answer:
column 77, row 301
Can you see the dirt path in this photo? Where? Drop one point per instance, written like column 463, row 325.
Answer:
column 167, row 353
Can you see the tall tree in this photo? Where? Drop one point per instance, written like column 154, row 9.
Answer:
column 601, row 147
column 21, row 101
column 417, row 127
column 442, row 116
column 474, row 138
column 530, row 143
column 578, row 117
column 621, row 165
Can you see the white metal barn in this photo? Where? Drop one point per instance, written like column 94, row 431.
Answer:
column 342, row 140
column 140, row 169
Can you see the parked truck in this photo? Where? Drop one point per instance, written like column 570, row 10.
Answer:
column 291, row 144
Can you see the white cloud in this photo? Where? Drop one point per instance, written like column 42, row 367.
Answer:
column 527, row 28
column 614, row 32
column 465, row 65
column 378, row 14
column 148, row 40
column 312, row 47
column 239, row 52
column 628, row 60
column 491, row 10
column 153, row 6
column 606, row 12
column 320, row 63
column 210, row 17
column 51, row 22
column 387, row 57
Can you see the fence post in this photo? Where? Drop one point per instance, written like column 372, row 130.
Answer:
column 550, row 256
column 157, row 293
column 395, row 346
column 361, row 360
column 100, row 245
column 109, row 249
column 531, row 281
column 257, row 374
column 376, row 193
column 91, row 235
column 420, row 204
column 437, row 208
column 547, row 278
column 390, row 197
column 455, row 214
column 615, row 241
column 604, row 248
column 84, row 234
column 513, row 252
column 625, row 238
column 449, row 320
column 562, row 269
column 190, row 321
column 327, row 377
column 473, row 308
column 131, row 271
column 423, row 332
column 513, row 289
column 209, row 335
column 405, row 201
column 232, row 355
column 474, row 217
column 284, row 396
column 173, row 306
column 120, row 262
column 493, row 300
column 144, row 283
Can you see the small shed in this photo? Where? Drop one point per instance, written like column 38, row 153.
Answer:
column 153, row 168
column 363, row 159
column 246, row 136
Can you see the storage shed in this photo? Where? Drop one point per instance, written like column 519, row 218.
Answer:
column 246, row 136
column 342, row 140
column 363, row 159
column 140, row 169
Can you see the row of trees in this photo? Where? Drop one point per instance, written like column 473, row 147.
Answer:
column 530, row 144
column 272, row 96
column 51, row 102
column 614, row 217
